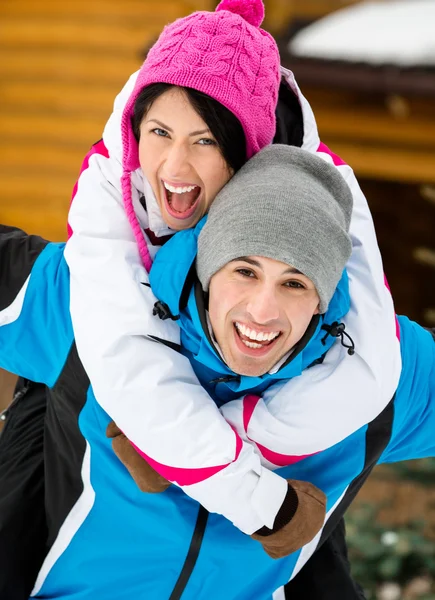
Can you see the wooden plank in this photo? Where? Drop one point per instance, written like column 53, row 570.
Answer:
column 99, row 9
column 74, row 65
column 64, row 160
column 61, row 97
column 78, row 131
column 35, row 189
column 27, row 33
column 370, row 117
column 386, row 162
column 48, row 223
column 375, row 124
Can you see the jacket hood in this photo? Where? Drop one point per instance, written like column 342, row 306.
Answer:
column 174, row 282
column 295, row 126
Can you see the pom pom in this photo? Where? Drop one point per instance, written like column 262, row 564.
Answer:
column 250, row 10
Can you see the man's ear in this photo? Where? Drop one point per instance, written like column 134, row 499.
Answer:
column 317, row 311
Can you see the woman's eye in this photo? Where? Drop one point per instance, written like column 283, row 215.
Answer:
column 295, row 285
column 206, row 142
column 159, row 132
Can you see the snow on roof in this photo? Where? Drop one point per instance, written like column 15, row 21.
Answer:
column 399, row 32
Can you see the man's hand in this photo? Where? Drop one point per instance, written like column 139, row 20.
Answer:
column 307, row 505
column 147, row 479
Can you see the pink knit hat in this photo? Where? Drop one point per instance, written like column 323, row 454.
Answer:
column 223, row 54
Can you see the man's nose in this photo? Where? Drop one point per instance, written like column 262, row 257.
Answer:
column 263, row 306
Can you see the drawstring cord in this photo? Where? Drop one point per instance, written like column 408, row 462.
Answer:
column 162, row 310
column 225, row 379
column 338, row 330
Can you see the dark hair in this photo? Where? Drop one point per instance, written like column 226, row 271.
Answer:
column 289, row 119
column 223, row 124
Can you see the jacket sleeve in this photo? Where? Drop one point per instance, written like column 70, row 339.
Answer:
column 35, row 329
column 413, row 432
column 147, row 388
column 330, row 401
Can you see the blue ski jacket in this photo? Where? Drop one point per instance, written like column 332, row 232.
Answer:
column 107, row 539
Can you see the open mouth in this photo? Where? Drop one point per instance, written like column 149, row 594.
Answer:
column 181, row 201
column 260, row 342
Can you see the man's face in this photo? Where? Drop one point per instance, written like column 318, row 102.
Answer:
column 259, row 309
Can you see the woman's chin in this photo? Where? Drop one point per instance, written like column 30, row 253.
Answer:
column 180, row 224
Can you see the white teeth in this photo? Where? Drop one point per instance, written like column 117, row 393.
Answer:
column 254, row 335
column 179, row 190
column 252, row 344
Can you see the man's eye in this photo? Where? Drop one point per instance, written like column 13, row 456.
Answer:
column 294, row 284
column 245, row 272
column 159, row 132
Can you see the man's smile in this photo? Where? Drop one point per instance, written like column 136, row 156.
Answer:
column 253, row 342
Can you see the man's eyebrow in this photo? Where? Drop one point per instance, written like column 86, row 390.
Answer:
column 247, row 259
column 199, row 132
column 255, row 263
column 293, row 271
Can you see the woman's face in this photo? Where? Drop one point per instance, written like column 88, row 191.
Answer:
column 181, row 159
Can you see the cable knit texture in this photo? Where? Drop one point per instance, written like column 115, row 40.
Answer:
column 224, row 54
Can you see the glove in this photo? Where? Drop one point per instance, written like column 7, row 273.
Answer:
column 146, row 478
column 299, row 519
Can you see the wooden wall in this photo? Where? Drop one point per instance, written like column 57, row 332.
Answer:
column 61, row 66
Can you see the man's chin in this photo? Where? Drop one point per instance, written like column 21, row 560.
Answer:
column 249, row 368
column 254, row 372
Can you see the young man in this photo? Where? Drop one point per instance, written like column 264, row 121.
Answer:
column 259, row 314
column 270, row 315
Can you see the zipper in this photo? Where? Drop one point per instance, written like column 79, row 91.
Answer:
column 192, row 554
column 16, row 398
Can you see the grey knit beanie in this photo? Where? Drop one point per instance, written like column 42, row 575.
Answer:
column 286, row 204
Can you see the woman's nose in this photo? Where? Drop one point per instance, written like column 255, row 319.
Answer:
column 177, row 161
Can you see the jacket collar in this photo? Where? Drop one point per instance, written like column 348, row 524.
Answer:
column 173, row 280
